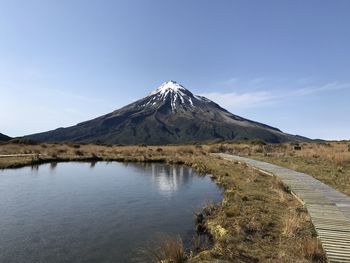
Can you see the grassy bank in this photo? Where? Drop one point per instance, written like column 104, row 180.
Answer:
column 257, row 221
column 328, row 162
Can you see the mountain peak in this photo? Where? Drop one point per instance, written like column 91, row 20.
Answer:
column 172, row 94
column 169, row 86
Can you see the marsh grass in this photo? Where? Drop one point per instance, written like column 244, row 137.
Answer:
column 292, row 224
column 168, row 249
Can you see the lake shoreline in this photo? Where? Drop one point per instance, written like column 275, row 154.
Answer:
column 240, row 223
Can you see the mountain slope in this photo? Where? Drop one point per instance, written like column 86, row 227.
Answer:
column 4, row 138
column 169, row 114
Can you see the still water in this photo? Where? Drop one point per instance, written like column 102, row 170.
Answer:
column 96, row 212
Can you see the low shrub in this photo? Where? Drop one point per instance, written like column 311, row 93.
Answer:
column 24, row 141
column 233, row 211
column 79, row 153
column 258, row 142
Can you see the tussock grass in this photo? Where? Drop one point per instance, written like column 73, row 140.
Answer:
column 328, row 162
column 251, row 222
column 169, row 250
column 293, row 223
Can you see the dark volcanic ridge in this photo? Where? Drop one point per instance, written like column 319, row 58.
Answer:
column 170, row 114
column 4, row 138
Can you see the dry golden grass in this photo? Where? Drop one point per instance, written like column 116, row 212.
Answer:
column 328, row 162
column 293, row 223
column 251, row 221
column 280, row 190
column 169, row 250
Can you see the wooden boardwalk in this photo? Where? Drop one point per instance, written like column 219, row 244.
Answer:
column 18, row 155
column 329, row 209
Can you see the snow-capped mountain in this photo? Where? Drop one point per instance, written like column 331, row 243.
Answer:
column 171, row 94
column 169, row 114
column 178, row 96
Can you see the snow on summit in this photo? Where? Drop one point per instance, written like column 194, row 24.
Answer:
column 173, row 92
column 175, row 95
column 169, row 86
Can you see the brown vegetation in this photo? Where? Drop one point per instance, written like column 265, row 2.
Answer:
column 328, row 162
column 254, row 224
column 169, row 250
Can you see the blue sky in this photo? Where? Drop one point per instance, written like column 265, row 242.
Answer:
column 283, row 63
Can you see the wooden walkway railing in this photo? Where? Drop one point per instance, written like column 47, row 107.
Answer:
column 329, row 209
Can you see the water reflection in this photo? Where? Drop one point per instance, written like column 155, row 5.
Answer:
column 93, row 164
column 35, row 167
column 168, row 178
column 53, row 166
column 96, row 212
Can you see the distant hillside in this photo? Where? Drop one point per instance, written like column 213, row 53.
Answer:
column 4, row 138
column 170, row 114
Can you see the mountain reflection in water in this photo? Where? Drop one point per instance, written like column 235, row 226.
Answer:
column 96, row 212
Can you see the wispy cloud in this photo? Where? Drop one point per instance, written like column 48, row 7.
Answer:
column 244, row 100
column 273, row 91
column 326, row 87
column 228, row 82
